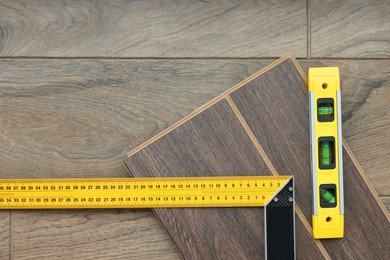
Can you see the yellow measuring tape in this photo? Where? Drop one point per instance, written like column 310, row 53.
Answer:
column 242, row 191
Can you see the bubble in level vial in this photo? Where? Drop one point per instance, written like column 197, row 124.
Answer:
column 328, row 196
column 325, row 153
column 326, row 110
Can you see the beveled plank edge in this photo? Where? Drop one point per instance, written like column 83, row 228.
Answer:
column 226, row 95
column 208, row 104
column 249, row 132
column 273, row 171
column 163, row 226
column 366, row 180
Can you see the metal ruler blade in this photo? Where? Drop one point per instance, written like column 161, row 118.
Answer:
column 248, row 191
column 274, row 193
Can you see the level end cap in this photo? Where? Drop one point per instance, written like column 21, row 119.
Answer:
column 322, row 72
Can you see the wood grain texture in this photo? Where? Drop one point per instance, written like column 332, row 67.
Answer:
column 79, row 118
column 386, row 201
column 213, row 143
column 210, row 144
column 367, row 229
column 64, row 118
column 152, row 28
column 273, row 104
column 49, row 105
column 350, row 28
column 100, row 109
column 276, row 101
column 5, row 226
column 90, row 234
column 365, row 86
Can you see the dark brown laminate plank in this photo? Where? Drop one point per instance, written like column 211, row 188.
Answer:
column 366, row 227
column 275, row 106
column 152, row 28
column 210, row 144
column 190, row 149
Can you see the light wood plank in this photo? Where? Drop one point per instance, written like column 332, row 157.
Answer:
column 386, row 201
column 365, row 88
column 90, row 234
column 350, row 28
column 65, row 118
column 4, row 234
column 152, row 28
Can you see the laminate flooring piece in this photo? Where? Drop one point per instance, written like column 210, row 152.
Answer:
column 152, row 28
column 259, row 127
column 213, row 143
column 89, row 234
column 350, row 29
column 5, row 234
column 289, row 149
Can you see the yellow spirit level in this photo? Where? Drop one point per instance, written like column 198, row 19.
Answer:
column 326, row 152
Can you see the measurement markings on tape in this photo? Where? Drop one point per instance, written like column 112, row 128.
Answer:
column 250, row 191
column 274, row 193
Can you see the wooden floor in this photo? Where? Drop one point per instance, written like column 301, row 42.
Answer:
column 82, row 83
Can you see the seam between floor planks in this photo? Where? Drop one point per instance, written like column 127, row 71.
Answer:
column 251, row 135
column 271, row 58
column 226, row 95
column 271, row 167
column 361, row 172
column 207, row 105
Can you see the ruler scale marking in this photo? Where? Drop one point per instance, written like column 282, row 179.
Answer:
column 245, row 191
column 273, row 192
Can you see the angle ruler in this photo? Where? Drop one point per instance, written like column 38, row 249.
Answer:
column 326, row 152
column 274, row 193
